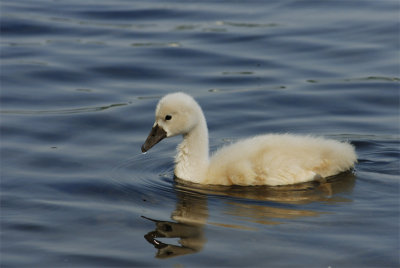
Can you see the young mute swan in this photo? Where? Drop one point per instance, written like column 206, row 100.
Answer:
column 273, row 159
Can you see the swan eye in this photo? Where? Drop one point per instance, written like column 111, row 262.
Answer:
column 168, row 117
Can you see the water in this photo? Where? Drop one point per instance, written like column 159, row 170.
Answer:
column 79, row 83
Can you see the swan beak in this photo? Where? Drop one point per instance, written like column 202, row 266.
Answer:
column 157, row 133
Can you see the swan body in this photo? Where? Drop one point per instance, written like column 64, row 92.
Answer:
column 272, row 159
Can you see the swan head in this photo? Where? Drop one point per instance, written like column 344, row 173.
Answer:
column 176, row 114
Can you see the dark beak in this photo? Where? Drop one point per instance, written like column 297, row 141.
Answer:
column 155, row 136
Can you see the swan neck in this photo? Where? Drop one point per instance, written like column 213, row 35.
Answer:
column 192, row 159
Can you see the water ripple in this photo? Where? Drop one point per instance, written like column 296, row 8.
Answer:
column 62, row 111
column 79, row 84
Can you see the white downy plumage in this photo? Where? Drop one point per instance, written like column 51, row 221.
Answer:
column 272, row 159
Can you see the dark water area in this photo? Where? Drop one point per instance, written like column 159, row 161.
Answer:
column 79, row 84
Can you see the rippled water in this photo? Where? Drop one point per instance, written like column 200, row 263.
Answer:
column 79, row 83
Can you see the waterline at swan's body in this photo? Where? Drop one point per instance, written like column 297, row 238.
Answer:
column 273, row 159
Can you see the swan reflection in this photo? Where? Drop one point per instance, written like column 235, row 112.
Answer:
column 189, row 217
column 256, row 204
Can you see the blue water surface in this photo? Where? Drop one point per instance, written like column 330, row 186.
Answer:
column 79, row 84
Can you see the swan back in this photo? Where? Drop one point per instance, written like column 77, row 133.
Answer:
column 279, row 159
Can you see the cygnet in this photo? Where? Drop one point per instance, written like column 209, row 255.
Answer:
column 271, row 159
